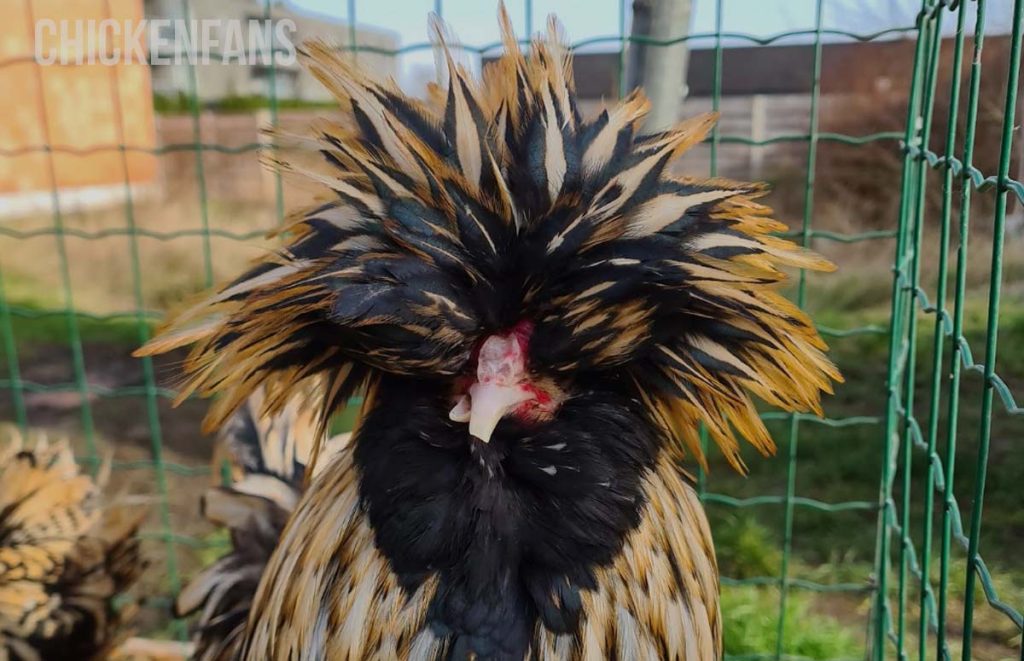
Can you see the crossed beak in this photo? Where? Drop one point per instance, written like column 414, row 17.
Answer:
column 498, row 387
column 485, row 405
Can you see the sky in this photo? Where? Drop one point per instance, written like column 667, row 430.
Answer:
column 473, row 21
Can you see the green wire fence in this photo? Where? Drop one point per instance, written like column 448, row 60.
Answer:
column 905, row 435
column 910, row 612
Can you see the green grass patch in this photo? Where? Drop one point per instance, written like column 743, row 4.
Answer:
column 750, row 621
column 34, row 326
column 844, row 463
column 745, row 548
column 181, row 103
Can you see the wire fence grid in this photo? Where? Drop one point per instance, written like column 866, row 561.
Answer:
column 902, row 569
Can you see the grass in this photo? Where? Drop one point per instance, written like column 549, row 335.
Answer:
column 844, row 463
column 750, row 622
column 42, row 325
column 181, row 103
column 746, row 550
column 826, row 625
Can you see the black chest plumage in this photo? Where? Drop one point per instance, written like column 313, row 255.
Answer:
column 513, row 528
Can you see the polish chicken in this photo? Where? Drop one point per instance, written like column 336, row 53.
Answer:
column 539, row 314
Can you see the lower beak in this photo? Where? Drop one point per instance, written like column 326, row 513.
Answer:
column 488, row 403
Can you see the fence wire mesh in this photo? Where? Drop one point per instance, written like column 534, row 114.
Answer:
column 916, row 430
column 905, row 435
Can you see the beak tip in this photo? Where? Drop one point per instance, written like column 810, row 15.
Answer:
column 485, row 406
column 482, row 429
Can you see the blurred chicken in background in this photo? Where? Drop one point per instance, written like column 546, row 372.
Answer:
column 65, row 554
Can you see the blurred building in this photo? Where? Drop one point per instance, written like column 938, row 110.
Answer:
column 219, row 80
column 63, row 125
column 846, row 68
column 765, row 95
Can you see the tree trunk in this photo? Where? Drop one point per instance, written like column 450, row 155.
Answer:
column 660, row 70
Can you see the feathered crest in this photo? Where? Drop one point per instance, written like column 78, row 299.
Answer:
column 498, row 201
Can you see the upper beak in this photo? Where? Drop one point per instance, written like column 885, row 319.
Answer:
column 488, row 403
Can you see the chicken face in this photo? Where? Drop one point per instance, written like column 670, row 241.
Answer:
column 502, row 385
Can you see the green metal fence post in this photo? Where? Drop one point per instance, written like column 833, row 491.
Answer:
column 949, row 508
column 274, row 118
column 142, row 327
column 623, row 40
column 917, row 220
column 353, row 30
column 197, row 137
column 927, row 600
column 991, row 335
column 801, row 299
column 716, row 105
column 10, row 348
column 69, row 311
column 880, row 621
column 716, row 142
